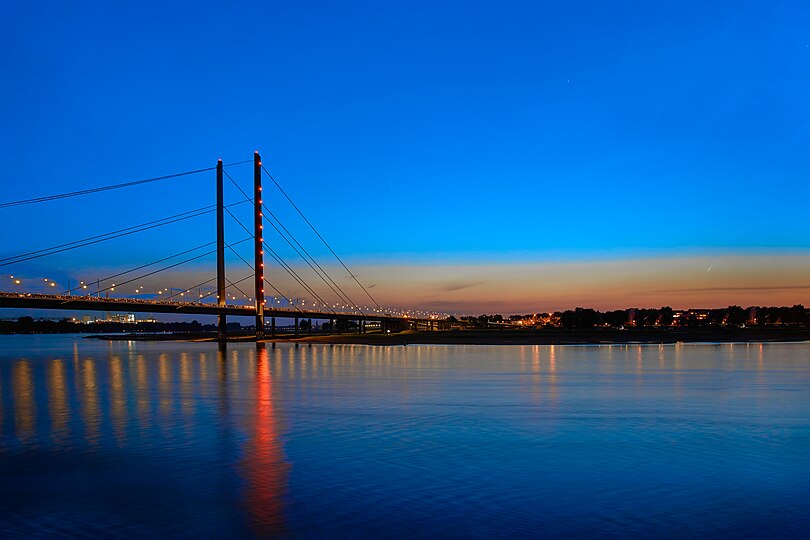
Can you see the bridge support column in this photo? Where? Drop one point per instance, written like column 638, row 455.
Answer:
column 258, row 241
column 272, row 326
column 222, row 323
column 296, row 327
column 331, row 326
column 309, row 330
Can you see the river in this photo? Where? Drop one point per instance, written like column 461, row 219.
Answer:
column 183, row 440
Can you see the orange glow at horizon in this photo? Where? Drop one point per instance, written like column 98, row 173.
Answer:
column 681, row 282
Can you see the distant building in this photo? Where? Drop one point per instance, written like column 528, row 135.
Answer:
column 121, row 318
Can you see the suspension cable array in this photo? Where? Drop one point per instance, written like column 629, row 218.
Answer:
column 319, row 236
column 287, row 267
column 263, row 216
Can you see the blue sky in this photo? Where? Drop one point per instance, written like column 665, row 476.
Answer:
column 419, row 131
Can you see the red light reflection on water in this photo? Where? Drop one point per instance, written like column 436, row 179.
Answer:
column 265, row 468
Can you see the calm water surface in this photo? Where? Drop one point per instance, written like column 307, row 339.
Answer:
column 137, row 439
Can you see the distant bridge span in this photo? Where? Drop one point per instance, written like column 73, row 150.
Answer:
column 260, row 309
column 87, row 303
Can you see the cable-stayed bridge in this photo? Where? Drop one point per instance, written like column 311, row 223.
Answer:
column 327, row 299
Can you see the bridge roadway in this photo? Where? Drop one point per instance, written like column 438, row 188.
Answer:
column 131, row 305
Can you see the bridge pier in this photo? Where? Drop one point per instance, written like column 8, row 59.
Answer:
column 272, row 327
column 296, row 327
column 309, row 330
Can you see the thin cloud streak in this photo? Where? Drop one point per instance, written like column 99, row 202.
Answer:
column 458, row 286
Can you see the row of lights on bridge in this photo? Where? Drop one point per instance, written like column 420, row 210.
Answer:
column 139, row 290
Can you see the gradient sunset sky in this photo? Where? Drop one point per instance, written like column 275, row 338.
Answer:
column 461, row 156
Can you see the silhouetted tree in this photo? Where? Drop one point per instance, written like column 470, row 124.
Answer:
column 579, row 318
column 735, row 316
column 615, row 318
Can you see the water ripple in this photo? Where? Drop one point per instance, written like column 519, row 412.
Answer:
column 145, row 440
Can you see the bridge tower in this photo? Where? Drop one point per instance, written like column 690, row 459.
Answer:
column 258, row 244
column 221, row 318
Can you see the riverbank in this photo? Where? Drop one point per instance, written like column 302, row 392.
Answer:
column 568, row 337
column 553, row 336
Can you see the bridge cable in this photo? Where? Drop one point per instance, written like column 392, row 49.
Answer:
column 110, row 187
column 197, row 301
column 234, row 283
column 238, row 289
column 289, row 302
column 284, row 265
column 265, row 279
column 342, row 296
column 127, row 230
column 189, row 289
column 231, row 283
column 152, row 263
column 167, row 267
column 295, row 275
column 206, row 282
column 197, row 286
column 281, row 262
column 108, row 236
column 319, row 235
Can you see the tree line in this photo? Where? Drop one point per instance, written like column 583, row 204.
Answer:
column 583, row 318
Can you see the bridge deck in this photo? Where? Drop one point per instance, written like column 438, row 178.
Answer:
column 86, row 303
